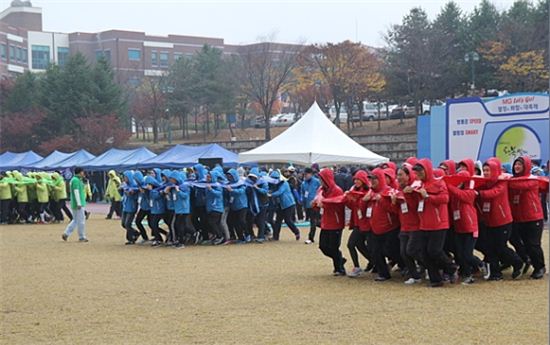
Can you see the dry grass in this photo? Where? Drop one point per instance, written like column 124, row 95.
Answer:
column 103, row 292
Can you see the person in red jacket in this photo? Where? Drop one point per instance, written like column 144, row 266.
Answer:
column 449, row 166
column 497, row 216
column 407, row 201
column 434, row 223
column 359, row 222
column 384, row 224
column 464, row 216
column 527, row 215
column 332, row 220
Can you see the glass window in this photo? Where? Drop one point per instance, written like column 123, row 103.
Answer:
column 106, row 54
column 62, row 55
column 40, row 57
column 134, row 54
column 134, row 81
column 24, row 55
column 163, row 59
column 3, row 52
column 12, row 53
column 177, row 56
column 154, row 58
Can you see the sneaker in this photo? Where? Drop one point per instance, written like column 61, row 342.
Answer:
column 129, row 243
column 206, row 242
column 518, row 271
column 412, row 281
column 381, row 279
column 64, row 237
column 217, row 241
column 436, row 284
column 197, row 237
column 355, row 272
column 226, row 243
column 297, row 237
column 156, row 243
column 84, row 240
column 339, row 273
column 486, row 269
column 248, row 238
column 308, row 242
column 260, row 240
column 144, row 242
column 538, row 274
column 179, row 246
column 468, row 281
column 495, row 278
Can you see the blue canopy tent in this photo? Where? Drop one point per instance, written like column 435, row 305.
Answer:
column 176, row 157
column 79, row 158
column 19, row 160
column 230, row 159
column 119, row 159
column 51, row 160
column 7, row 156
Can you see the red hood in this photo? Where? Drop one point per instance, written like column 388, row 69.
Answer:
column 389, row 172
column 412, row 160
column 411, row 173
column 470, row 166
column 496, row 169
column 363, row 176
column 527, row 165
column 379, row 173
column 464, row 173
column 451, row 166
column 392, row 166
column 439, row 173
column 426, row 164
column 327, row 176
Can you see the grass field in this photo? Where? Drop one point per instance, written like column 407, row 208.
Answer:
column 103, row 292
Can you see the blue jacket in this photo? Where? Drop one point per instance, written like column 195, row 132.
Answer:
column 214, row 196
column 130, row 198
column 237, row 197
column 309, row 190
column 200, row 193
column 180, row 198
column 169, row 202
column 156, row 201
column 282, row 195
column 143, row 196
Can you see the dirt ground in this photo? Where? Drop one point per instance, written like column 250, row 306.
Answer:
column 104, row 292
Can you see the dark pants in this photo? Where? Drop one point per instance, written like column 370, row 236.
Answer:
column 427, row 247
column 259, row 220
column 63, row 206
column 405, row 250
column 286, row 215
column 154, row 220
column 498, row 250
column 465, row 244
column 169, row 221
column 200, row 221
column 329, row 243
column 22, row 210
column 299, row 212
column 182, row 224
column 5, row 210
column 482, row 240
column 357, row 242
column 385, row 245
column 115, row 208
column 141, row 215
column 127, row 220
column 313, row 215
column 526, row 238
column 214, row 222
column 236, row 221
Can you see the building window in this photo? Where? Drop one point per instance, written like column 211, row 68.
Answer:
column 134, row 54
column 62, row 55
column 177, row 56
column 154, row 58
column 40, row 57
column 134, row 81
column 12, row 53
column 24, row 55
column 106, row 54
column 163, row 59
column 18, row 56
column 3, row 53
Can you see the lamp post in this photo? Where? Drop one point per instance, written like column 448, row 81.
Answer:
column 472, row 57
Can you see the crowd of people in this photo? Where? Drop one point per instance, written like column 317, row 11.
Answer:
column 415, row 220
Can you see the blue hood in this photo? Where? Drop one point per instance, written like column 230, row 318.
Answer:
column 216, row 176
column 138, row 177
column 166, row 173
column 152, row 181
column 178, row 176
column 275, row 174
column 200, row 171
column 234, row 174
column 130, row 176
column 157, row 175
column 255, row 171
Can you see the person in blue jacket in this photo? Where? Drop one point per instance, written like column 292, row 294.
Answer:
column 180, row 195
column 198, row 200
column 169, row 214
column 309, row 188
column 214, row 206
column 157, row 202
column 143, row 203
column 258, row 201
column 284, row 201
column 238, row 207
column 129, row 206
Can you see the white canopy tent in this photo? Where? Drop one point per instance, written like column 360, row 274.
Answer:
column 313, row 139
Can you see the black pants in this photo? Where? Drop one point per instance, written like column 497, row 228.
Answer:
column 214, row 223
column 5, row 210
column 482, row 241
column 141, row 215
column 200, row 221
column 357, row 242
column 465, row 244
column 169, row 221
column 498, row 250
column 286, row 215
column 182, row 224
column 404, row 249
column 22, row 209
column 236, row 221
column 526, row 238
column 313, row 215
column 299, row 212
column 115, row 208
column 154, row 220
column 329, row 243
column 384, row 245
column 63, row 206
column 127, row 220
column 259, row 220
column 427, row 247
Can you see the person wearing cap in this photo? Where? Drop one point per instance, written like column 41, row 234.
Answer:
column 78, row 203
column 308, row 190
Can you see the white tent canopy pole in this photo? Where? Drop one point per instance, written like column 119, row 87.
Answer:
column 313, row 139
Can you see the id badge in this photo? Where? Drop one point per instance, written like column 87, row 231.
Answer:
column 359, row 214
column 369, row 212
column 174, row 196
column 472, row 184
column 306, row 194
column 486, row 207
column 151, row 203
column 421, row 206
column 515, row 200
column 139, row 200
column 456, row 215
column 231, row 199
column 404, row 207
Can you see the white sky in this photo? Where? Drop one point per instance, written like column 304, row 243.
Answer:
column 240, row 21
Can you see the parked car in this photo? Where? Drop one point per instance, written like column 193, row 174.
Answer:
column 343, row 113
column 370, row 111
column 284, row 120
column 273, row 120
column 258, row 122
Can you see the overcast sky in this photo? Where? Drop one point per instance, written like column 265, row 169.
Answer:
column 240, row 21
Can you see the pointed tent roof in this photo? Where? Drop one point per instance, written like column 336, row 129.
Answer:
column 52, row 159
column 18, row 160
column 77, row 159
column 214, row 151
column 171, row 158
column 119, row 159
column 313, row 139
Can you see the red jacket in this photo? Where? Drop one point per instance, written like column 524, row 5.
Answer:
column 383, row 214
column 333, row 214
column 493, row 199
column 356, row 204
column 407, row 204
column 524, row 195
column 435, row 215
column 463, row 210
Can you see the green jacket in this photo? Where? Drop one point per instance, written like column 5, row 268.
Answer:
column 112, row 187
column 5, row 191
column 78, row 193
column 20, row 188
column 59, row 188
column 42, row 192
